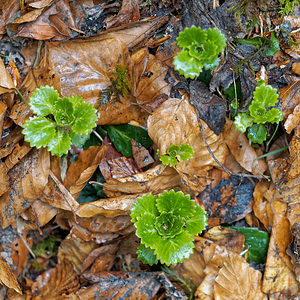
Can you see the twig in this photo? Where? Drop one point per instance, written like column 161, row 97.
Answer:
column 222, row 166
column 97, row 135
column 26, row 245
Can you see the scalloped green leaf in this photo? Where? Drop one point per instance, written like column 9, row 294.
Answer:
column 242, row 121
column 173, row 250
column 216, row 37
column 60, row 144
column 168, row 160
column 146, row 255
column 43, row 99
column 185, row 152
column 191, row 35
column 187, row 65
column 257, row 133
column 64, row 112
column 78, row 140
column 39, row 131
column 264, row 96
column 145, row 204
column 168, row 224
column 173, row 150
column 85, row 118
column 176, row 203
column 146, row 231
column 195, row 224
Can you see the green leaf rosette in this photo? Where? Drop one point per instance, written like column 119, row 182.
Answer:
column 166, row 224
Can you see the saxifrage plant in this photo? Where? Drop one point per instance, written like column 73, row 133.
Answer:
column 175, row 154
column 260, row 112
column 199, row 48
column 166, row 224
column 58, row 121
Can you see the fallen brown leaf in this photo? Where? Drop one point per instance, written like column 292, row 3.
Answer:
column 175, row 122
column 7, row 277
column 241, row 150
column 55, row 283
column 6, row 83
column 83, row 168
column 8, row 8
column 141, row 155
column 236, row 280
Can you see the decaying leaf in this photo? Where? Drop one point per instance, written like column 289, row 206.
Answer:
column 114, row 285
column 7, row 277
column 56, row 283
column 237, row 280
column 156, row 180
column 4, row 179
column 6, row 83
column 175, row 122
column 141, row 155
column 83, row 168
column 229, row 201
column 241, row 150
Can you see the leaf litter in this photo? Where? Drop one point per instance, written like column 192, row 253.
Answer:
column 122, row 65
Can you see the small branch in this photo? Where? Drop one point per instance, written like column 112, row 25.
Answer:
column 97, row 135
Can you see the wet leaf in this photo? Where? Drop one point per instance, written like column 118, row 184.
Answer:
column 7, row 277
column 141, row 155
column 237, row 280
column 56, row 282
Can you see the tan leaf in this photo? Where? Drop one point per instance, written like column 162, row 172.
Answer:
column 18, row 153
column 7, row 277
column 43, row 212
column 75, row 250
column 278, row 275
column 238, row 281
column 56, row 283
column 6, row 83
column 175, row 122
column 289, row 98
column 4, row 179
column 20, row 113
column 83, row 168
column 8, row 8
column 110, row 207
column 293, row 120
column 241, row 150
column 3, row 108
column 141, row 155
column 9, row 142
column 229, row 238
column 156, row 180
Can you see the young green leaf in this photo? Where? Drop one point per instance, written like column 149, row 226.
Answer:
column 185, row 152
column 39, row 131
column 146, row 255
column 257, row 133
column 42, row 100
column 200, row 48
column 85, row 118
column 197, row 222
column 176, row 153
column 60, row 143
column 63, row 114
column 168, row 224
column 168, row 160
column 242, row 121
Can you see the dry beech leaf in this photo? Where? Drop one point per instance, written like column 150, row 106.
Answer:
column 4, row 179
column 120, row 285
column 278, row 275
column 175, row 122
column 7, row 277
column 149, row 75
column 20, row 113
column 229, row 238
column 56, row 283
column 241, row 150
column 9, row 142
column 8, row 8
column 236, row 280
column 18, row 153
column 289, row 97
column 30, row 177
column 43, row 212
column 6, row 83
column 110, row 207
column 293, row 120
column 3, row 108
column 141, row 155
column 50, row 22
column 129, row 12
column 156, row 180
column 75, row 250
column 83, row 168
column 100, row 259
